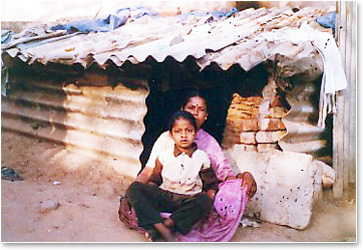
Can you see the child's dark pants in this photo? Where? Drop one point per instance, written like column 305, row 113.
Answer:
column 149, row 201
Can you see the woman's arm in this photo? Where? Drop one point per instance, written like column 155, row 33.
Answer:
column 248, row 180
column 220, row 163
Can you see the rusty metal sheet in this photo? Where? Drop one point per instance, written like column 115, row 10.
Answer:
column 207, row 41
column 104, row 123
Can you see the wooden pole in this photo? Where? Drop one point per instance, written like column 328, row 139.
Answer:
column 353, row 99
column 344, row 124
column 338, row 118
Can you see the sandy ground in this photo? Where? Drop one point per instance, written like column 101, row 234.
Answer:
column 88, row 192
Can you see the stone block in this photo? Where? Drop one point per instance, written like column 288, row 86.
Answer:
column 271, row 124
column 329, row 175
column 287, row 185
column 269, row 136
column 248, row 137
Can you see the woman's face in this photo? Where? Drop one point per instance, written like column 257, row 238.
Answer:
column 198, row 108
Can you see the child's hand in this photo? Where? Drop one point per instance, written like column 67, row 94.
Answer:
column 124, row 211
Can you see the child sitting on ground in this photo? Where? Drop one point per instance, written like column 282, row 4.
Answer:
column 182, row 184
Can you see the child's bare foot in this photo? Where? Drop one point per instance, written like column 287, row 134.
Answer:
column 169, row 223
column 165, row 232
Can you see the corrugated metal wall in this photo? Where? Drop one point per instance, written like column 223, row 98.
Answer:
column 101, row 120
column 344, row 144
column 302, row 94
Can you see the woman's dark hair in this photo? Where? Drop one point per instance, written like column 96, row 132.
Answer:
column 184, row 115
column 190, row 93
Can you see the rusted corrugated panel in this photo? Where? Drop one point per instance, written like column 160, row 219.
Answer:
column 174, row 37
column 101, row 120
column 303, row 133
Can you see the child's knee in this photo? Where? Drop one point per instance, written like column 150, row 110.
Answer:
column 134, row 188
column 205, row 201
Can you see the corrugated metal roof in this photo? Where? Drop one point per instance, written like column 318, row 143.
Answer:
column 234, row 40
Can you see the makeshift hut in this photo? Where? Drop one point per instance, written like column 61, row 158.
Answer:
column 108, row 91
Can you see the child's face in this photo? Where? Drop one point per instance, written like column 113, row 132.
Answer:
column 183, row 133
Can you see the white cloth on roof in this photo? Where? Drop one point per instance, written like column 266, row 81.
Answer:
column 334, row 78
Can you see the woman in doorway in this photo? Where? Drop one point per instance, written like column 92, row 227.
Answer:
column 234, row 190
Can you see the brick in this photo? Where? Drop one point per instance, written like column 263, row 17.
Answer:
column 248, row 138
column 288, row 184
column 238, row 113
column 271, row 124
column 251, row 100
column 245, row 125
column 265, row 147
column 269, row 136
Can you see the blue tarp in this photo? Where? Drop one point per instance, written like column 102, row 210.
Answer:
column 328, row 21
column 113, row 21
column 6, row 36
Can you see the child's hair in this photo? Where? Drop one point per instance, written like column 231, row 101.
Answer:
column 184, row 115
column 190, row 93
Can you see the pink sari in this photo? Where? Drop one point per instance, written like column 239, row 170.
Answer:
column 222, row 223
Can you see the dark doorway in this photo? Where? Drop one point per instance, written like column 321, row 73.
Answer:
column 169, row 82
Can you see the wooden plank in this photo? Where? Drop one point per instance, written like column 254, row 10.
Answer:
column 353, row 96
column 342, row 30
column 347, row 114
column 338, row 145
column 338, row 126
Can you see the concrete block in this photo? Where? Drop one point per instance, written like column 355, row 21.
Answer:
column 287, row 185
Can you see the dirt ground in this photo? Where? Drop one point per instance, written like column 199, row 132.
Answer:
column 88, row 192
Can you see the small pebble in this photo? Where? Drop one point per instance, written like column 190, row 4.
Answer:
column 48, row 206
